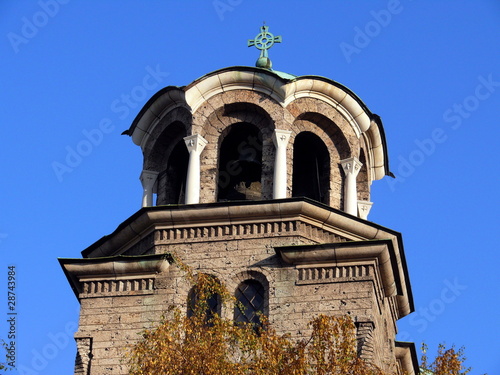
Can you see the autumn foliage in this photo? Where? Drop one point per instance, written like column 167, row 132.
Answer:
column 4, row 366
column 448, row 361
column 203, row 343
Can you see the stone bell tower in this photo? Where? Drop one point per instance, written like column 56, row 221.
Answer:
column 261, row 179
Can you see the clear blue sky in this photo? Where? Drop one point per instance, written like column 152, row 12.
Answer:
column 430, row 69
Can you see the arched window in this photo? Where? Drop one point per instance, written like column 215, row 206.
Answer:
column 311, row 168
column 240, row 164
column 212, row 305
column 251, row 298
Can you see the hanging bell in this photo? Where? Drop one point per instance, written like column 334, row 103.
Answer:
column 250, row 167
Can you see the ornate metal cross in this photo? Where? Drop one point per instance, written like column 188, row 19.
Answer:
column 264, row 40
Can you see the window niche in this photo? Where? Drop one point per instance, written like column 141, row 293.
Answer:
column 240, row 164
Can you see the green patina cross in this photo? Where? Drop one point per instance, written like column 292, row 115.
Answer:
column 264, row 40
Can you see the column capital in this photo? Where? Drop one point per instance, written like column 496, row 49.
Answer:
column 364, row 208
column 147, row 177
column 195, row 143
column 148, row 181
column 281, row 137
column 351, row 166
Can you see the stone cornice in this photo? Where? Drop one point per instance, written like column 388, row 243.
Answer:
column 143, row 222
column 382, row 251
column 82, row 273
column 406, row 355
column 327, row 219
column 386, row 257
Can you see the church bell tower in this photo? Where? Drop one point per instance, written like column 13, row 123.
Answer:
column 261, row 179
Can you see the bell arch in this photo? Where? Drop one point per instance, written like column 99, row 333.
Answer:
column 337, row 147
column 171, row 127
column 325, row 128
column 170, row 157
column 363, row 181
column 214, row 119
column 240, row 164
column 311, row 168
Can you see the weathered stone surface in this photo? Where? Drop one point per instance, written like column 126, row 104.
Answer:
column 237, row 241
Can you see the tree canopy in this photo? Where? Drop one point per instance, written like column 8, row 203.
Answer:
column 204, row 343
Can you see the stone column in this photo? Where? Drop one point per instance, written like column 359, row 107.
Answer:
column 148, row 181
column 351, row 168
column 195, row 145
column 280, row 139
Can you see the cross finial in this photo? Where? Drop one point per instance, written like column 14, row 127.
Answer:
column 263, row 42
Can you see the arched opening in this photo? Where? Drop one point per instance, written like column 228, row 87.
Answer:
column 311, row 168
column 250, row 296
column 240, row 164
column 175, row 174
column 170, row 157
column 363, row 183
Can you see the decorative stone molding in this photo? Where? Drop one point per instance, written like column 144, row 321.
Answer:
column 315, row 222
column 214, row 231
column 116, row 287
column 280, row 139
column 119, row 275
column 313, row 275
column 364, row 208
column 351, row 168
column 250, row 230
column 148, row 181
column 83, row 354
column 364, row 337
column 362, row 252
column 367, row 271
column 195, row 145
